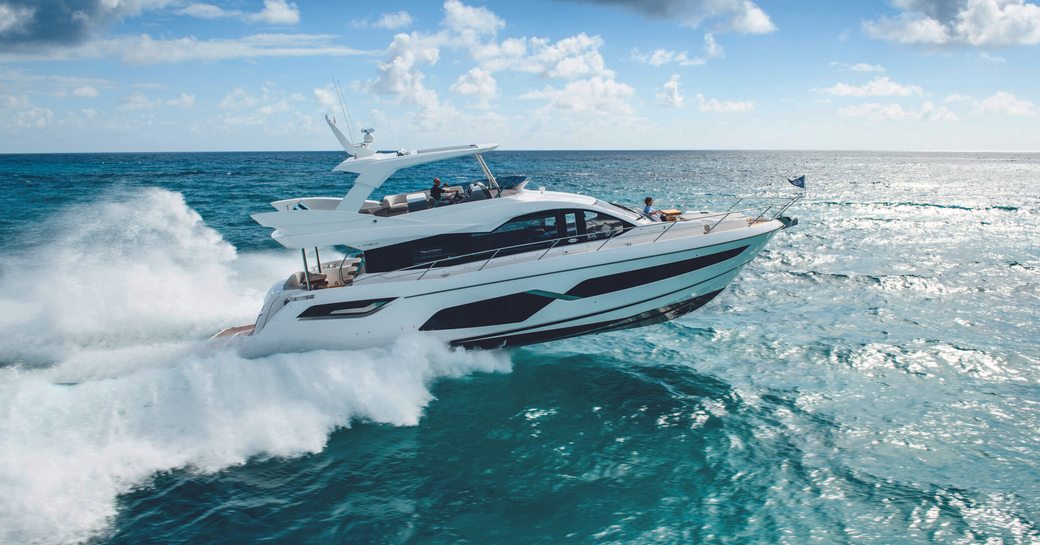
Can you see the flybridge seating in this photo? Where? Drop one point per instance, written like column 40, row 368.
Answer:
column 476, row 190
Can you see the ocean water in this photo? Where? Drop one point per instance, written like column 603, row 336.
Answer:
column 873, row 377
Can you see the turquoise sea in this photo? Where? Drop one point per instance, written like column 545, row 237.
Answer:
column 872, row 378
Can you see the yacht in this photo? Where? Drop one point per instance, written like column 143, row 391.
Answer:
column 493, row 262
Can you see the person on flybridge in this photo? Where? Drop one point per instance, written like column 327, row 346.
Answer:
column 437, row 192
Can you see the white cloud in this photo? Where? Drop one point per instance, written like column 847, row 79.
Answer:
column 956, row 97
column 399, row 74
column 137, row 101
column 326, row 97
column 13, row 18
column 85, row 91
column 476, row 83
column 207, row 11
column 881, row 112
column 1005, row 103
column 573, row 57
column 12, row 80
column 750, row 19
column 391, row 21
column 20, row 112
column 991, row 58
column 864, row 67
column 670, row 96
column 659, row 57
column 34, row 118
column 144, row 49
column 723, row 106
column 467, row 23
column 988, row 23
column 730, row 15
column 185, row 101
column 238, row 99
column 877, row 87
column 596, row 95
column 242, row 107
column 276, row 12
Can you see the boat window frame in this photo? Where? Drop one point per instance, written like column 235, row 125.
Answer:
column 470, row 247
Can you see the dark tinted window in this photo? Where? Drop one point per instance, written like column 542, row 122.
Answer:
column 602, row 225
column 528, row 232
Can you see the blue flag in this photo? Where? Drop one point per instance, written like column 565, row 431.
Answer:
column 798, row 182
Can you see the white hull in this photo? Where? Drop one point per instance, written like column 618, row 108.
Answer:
column 520, row 299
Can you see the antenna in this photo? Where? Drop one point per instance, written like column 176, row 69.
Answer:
column 346, row 113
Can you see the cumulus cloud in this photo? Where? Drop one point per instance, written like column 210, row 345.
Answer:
column 19, row 111
column 241, row 107
column 670, row 96
column 877, row 87
column 276, row 12
column 723, row 106
column 326, row 97
column 399, row 74
column 398, row 19
column 984, row 23
column 596, row 96
column 659, row 57
column 728, row 15
column 478, row 84
column 1005, row 103
column 469, row 22
column 881, row 112
column 573, row 57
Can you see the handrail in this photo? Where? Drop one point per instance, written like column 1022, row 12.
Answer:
column 728, row 212
column 427, row 267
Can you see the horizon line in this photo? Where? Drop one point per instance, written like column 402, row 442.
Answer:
column 801, row 150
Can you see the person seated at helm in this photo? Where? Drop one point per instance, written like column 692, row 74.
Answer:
column 438, row 193
column 650, row 212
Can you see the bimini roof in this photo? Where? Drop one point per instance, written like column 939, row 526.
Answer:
column 374, row 169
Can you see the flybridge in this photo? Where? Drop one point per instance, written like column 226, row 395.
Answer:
column 374, row 168
column 356, row 221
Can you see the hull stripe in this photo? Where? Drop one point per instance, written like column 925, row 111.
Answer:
column 465, row 341
column 649, row 317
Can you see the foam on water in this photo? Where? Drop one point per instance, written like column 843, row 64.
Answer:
column 105, row 381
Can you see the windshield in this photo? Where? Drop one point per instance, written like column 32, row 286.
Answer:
column 626, row 211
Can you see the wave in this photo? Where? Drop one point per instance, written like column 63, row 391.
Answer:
column 1005, row 208
column 894, row 282
column 107, row 382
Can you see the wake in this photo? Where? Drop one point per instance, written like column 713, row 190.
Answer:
column 105, row 378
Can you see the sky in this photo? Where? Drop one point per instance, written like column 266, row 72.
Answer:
column 180, row 75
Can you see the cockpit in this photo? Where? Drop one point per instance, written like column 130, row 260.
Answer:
column 472, row 191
